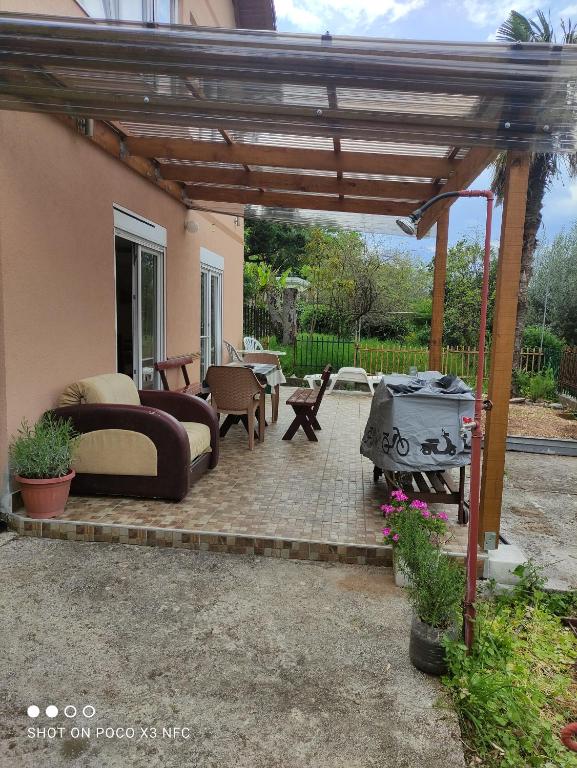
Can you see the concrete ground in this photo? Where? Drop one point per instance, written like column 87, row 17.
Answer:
column 269, row 663
column 540, row 512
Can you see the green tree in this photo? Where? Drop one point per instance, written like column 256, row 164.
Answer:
column 544, row 166
column 282, row 246
column 344, row 276
column 553, row 289
column 463, row 292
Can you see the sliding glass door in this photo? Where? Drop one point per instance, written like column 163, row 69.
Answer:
column 139, row 311
column 210, row 317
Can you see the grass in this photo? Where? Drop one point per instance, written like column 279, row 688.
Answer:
column 517, row 689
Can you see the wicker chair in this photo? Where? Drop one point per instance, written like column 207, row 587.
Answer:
column 271, row 358
column 233, row 353
column 236, row 391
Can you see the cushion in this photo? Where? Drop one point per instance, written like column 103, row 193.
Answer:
column 115, row 452
column 198, row 437
column 110, row 388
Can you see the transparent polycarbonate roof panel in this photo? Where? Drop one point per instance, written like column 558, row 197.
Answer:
column 358, row 222
column 420, row 93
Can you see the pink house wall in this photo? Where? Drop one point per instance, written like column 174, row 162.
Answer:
column 57, row 262
column 57, row 291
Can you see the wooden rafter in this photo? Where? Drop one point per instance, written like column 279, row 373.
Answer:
column 290, row 200
column 476, row 160
column 297, row 182
column 283, row 157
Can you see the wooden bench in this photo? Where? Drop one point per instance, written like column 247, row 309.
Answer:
column 435, row 487
column 305, row 403
column 181, row 361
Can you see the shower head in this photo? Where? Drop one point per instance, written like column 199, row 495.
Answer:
column 406, row 225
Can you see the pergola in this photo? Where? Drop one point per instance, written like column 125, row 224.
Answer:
column 352, row 131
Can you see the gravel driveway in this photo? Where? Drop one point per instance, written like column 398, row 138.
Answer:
column 244, row 662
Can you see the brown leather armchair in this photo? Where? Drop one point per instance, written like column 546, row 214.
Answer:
column 146, row 443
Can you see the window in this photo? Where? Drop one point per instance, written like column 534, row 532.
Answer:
column 162, row 11
column 211, row 271
column 140, row 302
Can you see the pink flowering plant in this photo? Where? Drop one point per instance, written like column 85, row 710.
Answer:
column 403, row 516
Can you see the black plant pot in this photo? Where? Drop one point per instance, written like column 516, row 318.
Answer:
column 426, row 649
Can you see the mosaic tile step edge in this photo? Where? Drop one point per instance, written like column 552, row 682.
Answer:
column 209, row 541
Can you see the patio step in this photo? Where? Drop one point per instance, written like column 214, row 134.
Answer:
column 211, row 541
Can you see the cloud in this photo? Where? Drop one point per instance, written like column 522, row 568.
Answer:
column 347, row 15
column 494, row 12
column 570, row 10
column 563, row 201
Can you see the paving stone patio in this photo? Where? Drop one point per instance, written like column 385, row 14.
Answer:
column 298, row 490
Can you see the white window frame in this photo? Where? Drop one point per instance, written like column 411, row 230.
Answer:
column 111, row 10
column 151, row 237
column 212, row 264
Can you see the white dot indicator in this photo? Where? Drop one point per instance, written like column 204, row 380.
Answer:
column 51, row 710
column 33, row 711
column 88, row 711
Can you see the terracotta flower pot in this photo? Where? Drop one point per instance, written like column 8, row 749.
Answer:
column 47, row 497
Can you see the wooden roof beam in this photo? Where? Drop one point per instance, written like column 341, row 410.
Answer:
column 297, row 182
column 290, row 200
column 283, row 157
column 476, row 160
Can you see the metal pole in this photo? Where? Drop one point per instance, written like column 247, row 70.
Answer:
column 476, row 428
column 477, row 437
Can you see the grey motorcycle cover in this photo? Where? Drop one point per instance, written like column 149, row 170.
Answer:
column 415, row 423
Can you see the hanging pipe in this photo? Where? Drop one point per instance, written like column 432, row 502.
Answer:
column 475, row 426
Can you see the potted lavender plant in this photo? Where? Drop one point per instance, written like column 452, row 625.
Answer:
column 41, row 458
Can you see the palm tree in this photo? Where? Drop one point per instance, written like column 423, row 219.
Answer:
column 544, row 167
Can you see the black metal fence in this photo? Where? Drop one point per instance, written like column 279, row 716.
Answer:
column 311, row 354
column 568, row 371
column 256, row 321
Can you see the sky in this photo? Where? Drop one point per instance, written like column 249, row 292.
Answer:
column 469, row 20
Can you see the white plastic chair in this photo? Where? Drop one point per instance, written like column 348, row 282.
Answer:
column 355, row 375
column 250, row 344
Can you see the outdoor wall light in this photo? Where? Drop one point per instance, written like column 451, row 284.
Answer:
column 190, row 225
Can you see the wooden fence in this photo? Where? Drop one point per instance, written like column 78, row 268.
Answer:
column 568, row 371
column 311, row 354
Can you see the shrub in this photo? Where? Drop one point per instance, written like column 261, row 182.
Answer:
column 521, row 379
column 515, row 690
column 542, row 386
column 44, row 450
column 437, row 584
column 319, row 317
column 535, row 386
column 551, row 342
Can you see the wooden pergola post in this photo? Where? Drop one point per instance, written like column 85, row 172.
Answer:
column 505, row 315
column 439, row 279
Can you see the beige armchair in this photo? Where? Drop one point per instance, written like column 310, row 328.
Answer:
column 147, row 443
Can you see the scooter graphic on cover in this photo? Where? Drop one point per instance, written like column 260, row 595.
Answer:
column 431, row 445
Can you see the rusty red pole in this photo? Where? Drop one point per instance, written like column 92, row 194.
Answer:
column 477, row 430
